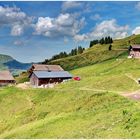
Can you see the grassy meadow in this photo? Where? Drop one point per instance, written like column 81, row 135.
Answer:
column 90, row 108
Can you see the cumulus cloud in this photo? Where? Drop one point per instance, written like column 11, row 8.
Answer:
column 15, row 18
column 81, row 37
column 105, row 28
column 63, row 25
column 136, row 30
column 17, row 30
column 70, row 4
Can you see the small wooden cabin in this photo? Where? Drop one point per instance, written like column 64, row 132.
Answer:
column 6, row 78
column 41, row 74
column 135, row 51
column 38, row 78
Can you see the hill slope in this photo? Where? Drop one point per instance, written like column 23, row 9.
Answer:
column 98, row 53
column 7, row 62
column 91, row 108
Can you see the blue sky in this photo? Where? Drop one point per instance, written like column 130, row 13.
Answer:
column 33, row 31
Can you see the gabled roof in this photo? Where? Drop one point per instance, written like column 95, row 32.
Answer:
column 53, row 74
column 6, row 75
column 136, row 46
column 41, row 67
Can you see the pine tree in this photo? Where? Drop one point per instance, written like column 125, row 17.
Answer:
column 102, row 41
column 110, row 47
column 111, row 40
column 106, row 40
column 80, row 50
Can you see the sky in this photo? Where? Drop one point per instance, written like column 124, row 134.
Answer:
column 34, row 31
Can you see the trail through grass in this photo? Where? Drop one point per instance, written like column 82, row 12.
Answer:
column 91, row 108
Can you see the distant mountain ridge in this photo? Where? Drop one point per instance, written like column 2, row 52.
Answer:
column 7, row 62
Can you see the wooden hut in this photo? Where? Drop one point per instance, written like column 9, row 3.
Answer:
column 135, row 51
column 38, row 78
column 41, row 74
column 6, row 78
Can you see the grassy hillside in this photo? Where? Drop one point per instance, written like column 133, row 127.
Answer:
column 4, row 59
column 7, row 62
column 90, row 108
column 23, row 77
column 98, row 53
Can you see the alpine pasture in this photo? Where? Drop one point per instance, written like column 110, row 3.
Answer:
column 91, row 108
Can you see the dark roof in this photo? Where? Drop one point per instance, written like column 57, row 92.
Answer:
column 136, row 46
column 41, row 67
column 6, row 75
column 53, row 74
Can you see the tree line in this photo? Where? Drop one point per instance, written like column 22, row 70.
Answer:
column 79, row 49
column 104, row 40
column 64, row 54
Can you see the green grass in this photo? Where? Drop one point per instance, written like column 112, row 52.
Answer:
column 98, row 53
column 67, row 114
column 23, row 77
column 90, row 108
column 94, row 55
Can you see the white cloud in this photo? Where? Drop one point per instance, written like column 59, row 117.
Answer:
column 105, row 28
column 63, row 25
column 17, row 30
column 15, row 18
column 137, row 5
column 136, row 30
column 81, row 37
column 95, row 17
column 70, row 4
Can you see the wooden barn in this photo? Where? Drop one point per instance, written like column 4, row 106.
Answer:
column 6, row 78
column 135, row 51
column 38, row 78
column 47, row 74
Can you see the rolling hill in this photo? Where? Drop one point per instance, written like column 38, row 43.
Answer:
column 98, row 53
column 7, row 62
column 91, row 108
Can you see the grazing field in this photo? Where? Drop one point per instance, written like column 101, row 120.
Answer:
column 98, row 53
column 91, row 108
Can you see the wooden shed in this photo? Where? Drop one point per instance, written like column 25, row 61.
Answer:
column 135, row 51
column 38, row 78
column 6, row 78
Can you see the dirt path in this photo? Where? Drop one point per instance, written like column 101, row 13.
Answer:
column 23, row 85
column 132, row 95
column 100, row 90
column 131, row 77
